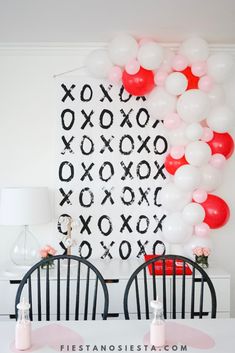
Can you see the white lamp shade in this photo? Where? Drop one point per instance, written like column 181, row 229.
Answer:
column 24, row 206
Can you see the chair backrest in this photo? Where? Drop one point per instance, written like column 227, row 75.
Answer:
column 182, row 285
column 73, row 290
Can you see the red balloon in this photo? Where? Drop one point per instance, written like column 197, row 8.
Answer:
column 139, row 84
column 222, row 143
column 217, row 211
column 172, row 164
column 192, row 80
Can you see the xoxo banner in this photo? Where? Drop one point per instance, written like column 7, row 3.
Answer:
column 110, row 169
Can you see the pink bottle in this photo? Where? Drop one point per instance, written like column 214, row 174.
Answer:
column 157, row 328
column 23, row 327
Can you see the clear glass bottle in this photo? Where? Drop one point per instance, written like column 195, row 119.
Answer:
column 157, row 327
column 23, row 327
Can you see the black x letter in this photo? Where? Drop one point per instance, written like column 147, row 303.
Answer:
column 106, row 95
column 106, row 144
column 126, row 170
column 159, row 171
column 67, row 145
column 144, row 144
column 87, row 119
column 156, row 122
column 65, row 197
column 107, row 196
column 87, row 171
column 125, row 223
column 126, row 118
column 107, row 250
column 144, row 196
column 159, row 222
column 85, row 223
column 68, row 92
column 142, row 248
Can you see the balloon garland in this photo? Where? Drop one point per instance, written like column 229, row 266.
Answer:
column 185, row 90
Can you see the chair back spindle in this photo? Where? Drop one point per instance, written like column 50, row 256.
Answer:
column 181, row 285
column 80, row 289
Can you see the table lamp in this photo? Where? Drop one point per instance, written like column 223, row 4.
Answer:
column 25, row 206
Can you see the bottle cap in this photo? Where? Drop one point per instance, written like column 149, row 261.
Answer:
column 156, row 305
column 23, row 305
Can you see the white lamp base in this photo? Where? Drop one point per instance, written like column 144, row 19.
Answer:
column 25, row 251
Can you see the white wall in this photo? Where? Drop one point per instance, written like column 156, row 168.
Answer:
column 27, row 139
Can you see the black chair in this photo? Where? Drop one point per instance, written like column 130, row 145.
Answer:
column 183, row 294
column 79, row 290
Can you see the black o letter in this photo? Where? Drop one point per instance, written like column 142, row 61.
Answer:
column 72, row 117
column 82, row 95
column 91, row 145
column 91, row 197
column 70, row 170
column 110, row 229
column 125, row 257
column 89, row 249
column 164, row 147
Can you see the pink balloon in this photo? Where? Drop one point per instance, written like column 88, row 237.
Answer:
column 218, row 160
column 179, row 62
column 205, row 84
column 115, row 74
column 177, row 152
column 132, row 67
column 202, row 230
column 199, row 68
column 207, row 134
column 172, row 121
column 160, row 77
column 199, row 195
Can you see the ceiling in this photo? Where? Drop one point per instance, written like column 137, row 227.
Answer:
column 71, row 21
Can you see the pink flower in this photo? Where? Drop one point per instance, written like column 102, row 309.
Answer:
column 52, row 251
column 43, row 253
column 206, row 251
column 47, row 250
column 198, row 251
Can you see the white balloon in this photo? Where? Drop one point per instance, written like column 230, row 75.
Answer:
column 194, row 242
column 193, row 105
column 150, row 55
column 98, row 63
column 195, row 49
column 176, row 83
column 216, row 96
column 219, row 66
column 221, row 119
column 197, row 153
column 177, row 137
column 194, row 131
column 193, row 213
column 211, row 178
column 122, row 49
column 160, row 103
column 175, row 230
column 174, row 199
column 167, row 60
column 187, row 177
